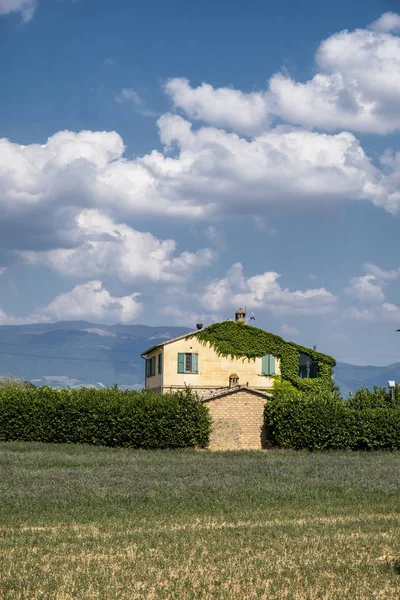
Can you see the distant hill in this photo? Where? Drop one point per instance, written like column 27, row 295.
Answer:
column 75, row 353
column 351, row 377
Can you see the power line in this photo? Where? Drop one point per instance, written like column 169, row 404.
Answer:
column 66, row 348
column 96, row 360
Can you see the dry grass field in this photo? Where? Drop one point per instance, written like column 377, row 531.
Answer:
column 83, row 522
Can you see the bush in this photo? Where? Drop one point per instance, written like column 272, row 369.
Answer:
column 109, row 417
column 380, row 397
column 301, row 421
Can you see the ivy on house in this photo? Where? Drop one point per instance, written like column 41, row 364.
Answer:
column 238, row 340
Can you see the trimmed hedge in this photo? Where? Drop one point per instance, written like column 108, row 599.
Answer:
column 109, row 417
column 379, row 397
column 301, row 421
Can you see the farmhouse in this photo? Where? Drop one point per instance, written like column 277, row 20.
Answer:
column 233, row 366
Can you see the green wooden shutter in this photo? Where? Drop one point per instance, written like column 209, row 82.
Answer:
column 268, row 365
column 147, row 367
column 271, row 364
column 153, row 366
column 181, row 362
column 195, row 363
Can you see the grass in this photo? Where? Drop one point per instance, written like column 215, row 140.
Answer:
column 81, row 522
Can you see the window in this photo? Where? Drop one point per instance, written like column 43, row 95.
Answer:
column 188, row 362
column 160, row 363
column 308, row 368
column 268, row 365
column 151, row 366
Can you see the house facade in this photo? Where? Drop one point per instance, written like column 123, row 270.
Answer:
column 230, row 354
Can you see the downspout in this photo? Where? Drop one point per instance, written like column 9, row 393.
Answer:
column 145, row 378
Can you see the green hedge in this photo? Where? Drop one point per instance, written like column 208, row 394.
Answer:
column 109, row 417
column 379, row 397
column 301, row 421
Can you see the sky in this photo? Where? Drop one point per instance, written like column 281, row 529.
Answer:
column 166, row 163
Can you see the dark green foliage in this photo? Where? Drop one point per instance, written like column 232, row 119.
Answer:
column 109, row 417
column 322, row 422
column 237, row 340
column 380, row 397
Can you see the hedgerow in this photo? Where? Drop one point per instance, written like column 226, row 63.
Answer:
column 109, row 417
column 379, row 397
column 322, row 422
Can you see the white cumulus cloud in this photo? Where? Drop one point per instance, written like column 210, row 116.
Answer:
column 370, row 287
column 264, row 292
column 386, row 23
column 356, row 87
column 25, row 8
column 90, row 301
column 119, row 250
column 223, row 107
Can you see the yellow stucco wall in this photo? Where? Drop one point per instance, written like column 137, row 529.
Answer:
column 155, row 382
column 214, row 370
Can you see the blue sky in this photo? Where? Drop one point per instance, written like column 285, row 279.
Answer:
column 166, row 162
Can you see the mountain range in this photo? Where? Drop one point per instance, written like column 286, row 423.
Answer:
column 76, row 353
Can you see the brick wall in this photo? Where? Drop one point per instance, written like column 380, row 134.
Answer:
column 238, row 421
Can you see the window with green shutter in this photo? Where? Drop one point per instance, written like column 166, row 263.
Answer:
column 181, row 362
column 188, row 362
column 268, row 364
column 151, row 366
column 160, row 363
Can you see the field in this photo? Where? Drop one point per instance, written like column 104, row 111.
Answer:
column 82, row 522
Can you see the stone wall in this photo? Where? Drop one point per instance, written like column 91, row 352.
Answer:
column 237, row 421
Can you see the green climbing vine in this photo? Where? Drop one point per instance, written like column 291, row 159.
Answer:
column 237, row 340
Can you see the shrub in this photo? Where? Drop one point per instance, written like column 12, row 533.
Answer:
column 109, row 417
column 322, row 422
column 380, row 397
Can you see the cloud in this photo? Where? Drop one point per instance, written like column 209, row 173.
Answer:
column 90, row 301
column 387, row 312
column 284, row 167
column 116, row 249
column 188, row 318
column 288, row 330
column 224, row 107
column 109, row 61
column 44, row 188
column 369, row 287
column 132, row 95
column 264, row 292
column 365, row 288
column 388, row 22
column 356, row 87
column 2, row 270
column 25, row 8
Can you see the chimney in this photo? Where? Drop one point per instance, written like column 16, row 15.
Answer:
column 240, row 315
column 233, row 380
column 199, row 326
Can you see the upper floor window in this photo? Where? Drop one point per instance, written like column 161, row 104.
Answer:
column 151, row 366
column 308, row 368
column 268, row 365
column 188, row 362
column 160, row 363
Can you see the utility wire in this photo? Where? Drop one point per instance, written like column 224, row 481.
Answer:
column 96, row 360
column 66, row 348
